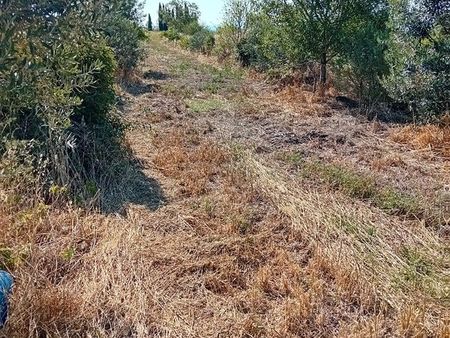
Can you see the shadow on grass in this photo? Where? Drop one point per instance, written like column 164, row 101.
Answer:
column 155, row 75
column 139, row 88
column 132, row 187
column 393, row 113
column 108, row 174
column 126, row 180
column 114, row 176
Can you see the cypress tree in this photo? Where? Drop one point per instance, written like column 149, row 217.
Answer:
column 177, row 12
column 186, row 9
column 160, row 21
column 150, row 23
column 186, row 13
column 165, row 13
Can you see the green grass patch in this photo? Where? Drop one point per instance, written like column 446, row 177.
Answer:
column 293, row 158
column 419, row 273
column 213, row 86
column 214, row 80
column 360, row 186
column 397, row 202
column 11, row 258
column 352, row 184
column 352, row 226
column 221, row 74
column 348, row 225
column 182, row 68
column 205, row 105
column 179, row 91
column 418, row 264
column 221, row 80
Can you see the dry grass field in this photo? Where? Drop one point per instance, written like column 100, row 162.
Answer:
column 246, row 212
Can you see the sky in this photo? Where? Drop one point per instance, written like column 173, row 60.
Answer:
column 211, row 11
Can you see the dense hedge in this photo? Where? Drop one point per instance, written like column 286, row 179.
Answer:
column 58, row 64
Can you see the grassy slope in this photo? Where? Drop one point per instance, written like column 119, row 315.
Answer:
column 235, row 223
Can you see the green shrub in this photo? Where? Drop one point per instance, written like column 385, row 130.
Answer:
column 185, row 41
column 125, row 37
column 224, row 47
column 99, row 97
column 362, row 63
column 20, row 176
column 172, row 34
column 265, row 46
column 57, row 75
column 417, row 55
column 202, row 41
column 192, row 28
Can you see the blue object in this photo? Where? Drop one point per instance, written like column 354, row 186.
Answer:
column 6, row 283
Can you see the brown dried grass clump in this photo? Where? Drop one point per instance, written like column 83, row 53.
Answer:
column 295, row 95
column 301, row 100
column 419, row 137
column 43, row 255
column 225, row 260
column 195, row 162
column 379, row 260
column 386, row 162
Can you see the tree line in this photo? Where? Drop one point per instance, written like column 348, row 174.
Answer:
column 179, row 21
column 179, row 15
column 385, row 53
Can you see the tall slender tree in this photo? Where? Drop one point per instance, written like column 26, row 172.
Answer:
column 179, row 15
column 163, row 17
column 160, row 17
column 149, row 23
column 237, row 17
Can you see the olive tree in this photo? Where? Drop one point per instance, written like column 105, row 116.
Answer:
column 418, row 56
column 319, row 29
column 58, row 64
column 237, row 14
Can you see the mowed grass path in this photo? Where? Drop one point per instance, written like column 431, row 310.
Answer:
column 247, row 238
column 378, row 235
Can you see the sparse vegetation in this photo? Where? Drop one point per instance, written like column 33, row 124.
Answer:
column 363, row 187
column 376, row 51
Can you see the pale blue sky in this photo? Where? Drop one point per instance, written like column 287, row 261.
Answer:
column 211, row 10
